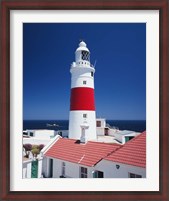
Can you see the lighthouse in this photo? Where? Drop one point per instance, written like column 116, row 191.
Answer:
column 82, row 117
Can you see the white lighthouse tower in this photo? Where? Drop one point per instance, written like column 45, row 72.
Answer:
column 82, row 118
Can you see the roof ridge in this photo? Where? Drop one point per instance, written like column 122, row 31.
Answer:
column 108, row 154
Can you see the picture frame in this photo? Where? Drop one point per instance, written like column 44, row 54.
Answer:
column 6, row 7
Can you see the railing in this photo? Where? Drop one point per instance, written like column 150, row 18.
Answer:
column 75, row 65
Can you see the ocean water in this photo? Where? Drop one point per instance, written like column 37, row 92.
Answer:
column 134, row 125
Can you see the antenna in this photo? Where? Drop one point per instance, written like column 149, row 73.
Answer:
column 95, row 63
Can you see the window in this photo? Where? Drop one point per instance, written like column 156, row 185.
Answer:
column 83, row 172
column 127, row 138
column 98, row 174
column 132, row 175
column 84, row 82
column 98, row 123
column 63, row 168
column 84, row 115
column 92, row 74
column 31, row 134
column 51, row 168
column 85, row 55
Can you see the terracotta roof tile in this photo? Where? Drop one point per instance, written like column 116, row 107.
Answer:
column 131, row 153
column 89, row 154
column 86, row 154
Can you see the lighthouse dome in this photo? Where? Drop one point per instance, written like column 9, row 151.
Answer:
column 82, row 46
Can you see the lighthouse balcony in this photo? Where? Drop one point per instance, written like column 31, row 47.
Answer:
column 81, row 64
column 83, row 68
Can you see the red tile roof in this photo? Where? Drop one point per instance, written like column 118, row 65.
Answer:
column 131, row 153
column 87, row 154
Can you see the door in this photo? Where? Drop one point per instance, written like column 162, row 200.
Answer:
column 106, row 131
column 34, row 169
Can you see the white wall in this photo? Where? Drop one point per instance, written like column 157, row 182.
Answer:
column 110, row 170
column 35, row 141
column 100, row 131
column 72, row 170
column 26, row 169
column 80, row 73
column 46, row 167
column 112, row 132
column 44, row 134
column 41, row 133
column 76, row 119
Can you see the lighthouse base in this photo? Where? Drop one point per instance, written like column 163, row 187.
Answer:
column 77, row 119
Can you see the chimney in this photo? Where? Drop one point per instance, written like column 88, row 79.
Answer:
column 84, row 126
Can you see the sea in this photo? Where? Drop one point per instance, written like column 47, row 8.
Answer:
column 133, row 125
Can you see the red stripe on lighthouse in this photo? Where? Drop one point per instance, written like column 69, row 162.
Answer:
column 82, row 98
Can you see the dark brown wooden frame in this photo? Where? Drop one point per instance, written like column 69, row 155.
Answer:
column 6, row 6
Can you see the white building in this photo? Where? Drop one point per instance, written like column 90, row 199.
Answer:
column 40, row 133
column 124, row 136
column 71, row 159
column 38, row 136
column 101, row 128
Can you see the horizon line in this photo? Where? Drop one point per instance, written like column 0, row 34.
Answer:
column 96, row 118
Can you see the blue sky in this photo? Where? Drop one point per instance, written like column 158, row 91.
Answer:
column 120, row 78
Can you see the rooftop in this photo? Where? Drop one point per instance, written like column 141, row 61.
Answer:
column 106, row 139
column 88, row 154
column 131, row 153
column 125, row 132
